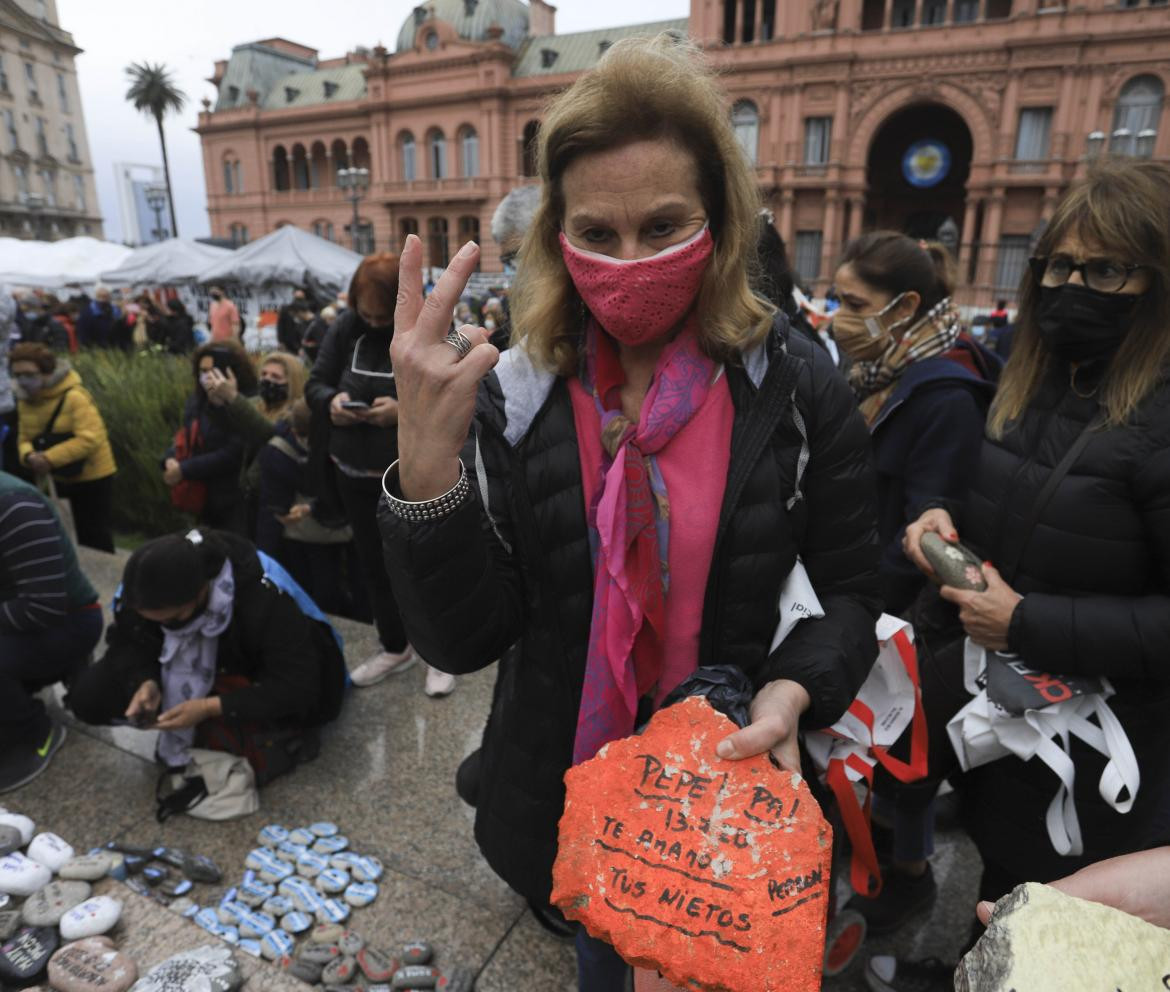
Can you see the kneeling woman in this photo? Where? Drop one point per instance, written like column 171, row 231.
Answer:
column 208, row 650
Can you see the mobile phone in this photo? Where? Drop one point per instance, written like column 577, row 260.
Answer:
column 355, row 405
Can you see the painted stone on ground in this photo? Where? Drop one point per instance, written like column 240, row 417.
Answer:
column 276, row 944
column 9, row 922
column 21, row 823
column 25, row 955
column 330, row 845
column 417, row 952
column 332, row 881
column 339, row 971
column 208, row 968
column 351, row 942
column 92, row 917
column 375, row 965
column 296, row 922
column 278, row 905
column 361, row 893
column 46, row 906
column 1040, row 938
column 714, row 872
column 91, row 965
column 86, row 867
column 10, row 839
column 326, row 933
column 953, row 564
column 50, row 850
column 21, row 876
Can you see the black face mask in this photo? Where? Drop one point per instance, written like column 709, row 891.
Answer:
column 1079, row 324
column 273, row 392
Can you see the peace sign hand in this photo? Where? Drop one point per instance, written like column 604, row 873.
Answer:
column 436, row 388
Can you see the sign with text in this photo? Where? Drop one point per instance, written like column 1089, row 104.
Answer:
column 713, row 872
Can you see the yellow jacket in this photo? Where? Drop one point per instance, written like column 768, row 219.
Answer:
column 79, row 416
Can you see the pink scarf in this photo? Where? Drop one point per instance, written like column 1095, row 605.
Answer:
column 630, row 527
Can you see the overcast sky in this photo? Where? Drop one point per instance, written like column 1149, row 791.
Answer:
column 189, row 37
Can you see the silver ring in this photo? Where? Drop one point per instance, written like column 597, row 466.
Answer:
column 460, row 342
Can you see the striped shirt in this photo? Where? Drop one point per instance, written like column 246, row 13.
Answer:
column 33, row 569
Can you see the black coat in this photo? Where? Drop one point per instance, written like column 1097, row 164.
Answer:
column 362, row 446
column 293, row 662
column 1094, row 573
column 219, row 462
column 470, row 585
column 926, row 441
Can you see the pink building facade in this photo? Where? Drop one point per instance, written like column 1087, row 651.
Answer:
column 959, row 119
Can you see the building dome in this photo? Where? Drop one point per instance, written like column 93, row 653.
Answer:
column 471, row 20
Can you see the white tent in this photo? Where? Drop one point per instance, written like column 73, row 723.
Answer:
column 287, row 256
column 57, row 264
column 165, row 263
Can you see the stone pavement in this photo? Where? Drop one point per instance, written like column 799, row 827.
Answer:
column 385, row 775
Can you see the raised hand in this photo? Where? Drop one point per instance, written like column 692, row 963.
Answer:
column 436, row 388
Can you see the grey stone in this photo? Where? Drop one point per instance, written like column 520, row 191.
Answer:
column 176, row 887
column 350, row 942
column 954, row 564
column 320, row 954
column 375, row 965
column 9, row 922
column 155, row 875
column 1040, row 938
column 416, row 976
column 45, row 907
column 456, row 980
column 181, row 906
column 308, row 972
column 9, row 839
column 417, row 952
column 208, row 968
column 90, row 918
column 200, row 868
column 326, row 933
column 86, row 867
column 339, row 971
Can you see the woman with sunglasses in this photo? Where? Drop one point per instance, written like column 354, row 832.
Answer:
column 352, row 383
column 1078, row 580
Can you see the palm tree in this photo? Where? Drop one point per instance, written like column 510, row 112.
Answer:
column 154, row 93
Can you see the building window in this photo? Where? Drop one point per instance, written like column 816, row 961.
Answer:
column 238, row 175
column 528, row 149
column 469, row 152
column 437, row 154
column 1012, row 262
column 409, row 168
column 229, row 185
column 437, row 248
column 407, row 227
column 807, row 260
column 62, row 92
column 20, row 174
column 79, row 200
column 934, row 12
column 903, row 15
column 818, row 132
column 1139, row 109
column 3, row 76
column 300, row 167
column 49, row 185
column 323, row 229
column 1032, row 139
column 239, row 234
column 966, row 11
column 13, row 134
column 363, row 244
column 745, row 119
column 30, row 74
column 469, row 231
column 71, row 141
column 42, row 138
column 280, row 168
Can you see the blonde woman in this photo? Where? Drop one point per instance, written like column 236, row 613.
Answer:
column 645, row 376
column 282, row 383
column 1070, row 504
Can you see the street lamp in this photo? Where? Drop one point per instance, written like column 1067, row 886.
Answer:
column 1145, row 142
column 156, row 199
column 356, row 182
column 1122, row 142
column 1095, row 144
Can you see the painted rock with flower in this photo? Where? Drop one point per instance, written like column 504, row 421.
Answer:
column 715, row 873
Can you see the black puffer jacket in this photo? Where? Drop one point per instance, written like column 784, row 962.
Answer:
column 362, row 446
column 469, row 586
column 1095, row 572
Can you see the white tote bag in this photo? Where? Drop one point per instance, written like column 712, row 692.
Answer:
column 983, row 731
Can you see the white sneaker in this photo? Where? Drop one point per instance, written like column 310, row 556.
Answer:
column 438, row 683
column 382, row 665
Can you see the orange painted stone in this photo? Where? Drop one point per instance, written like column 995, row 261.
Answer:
column 714, row 873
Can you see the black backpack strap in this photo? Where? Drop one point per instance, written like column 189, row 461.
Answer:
column 1063, row 467
column 57, row 412
column 188, row 795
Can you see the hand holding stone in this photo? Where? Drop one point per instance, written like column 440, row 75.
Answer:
column 775, row 712
column 189, row 713
column 986, row 616
column 938, row 521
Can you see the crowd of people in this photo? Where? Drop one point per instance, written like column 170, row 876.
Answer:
column 538, row 505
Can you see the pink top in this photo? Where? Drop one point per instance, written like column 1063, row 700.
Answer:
column 694, row 467
column 223, row 317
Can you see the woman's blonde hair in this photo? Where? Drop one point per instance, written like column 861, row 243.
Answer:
column 644, row 88
column 294, row 372
column 1120, row 210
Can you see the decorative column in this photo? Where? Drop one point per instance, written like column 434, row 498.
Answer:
column 967, row 236
column 787, row 203
column 917, row 14
column 888, row 15
column 758, row 24
column 856, row 216
column 738, row 36
column 830, row 247
column 989, row 259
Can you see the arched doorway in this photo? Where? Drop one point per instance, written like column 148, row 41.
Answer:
column 917, row 171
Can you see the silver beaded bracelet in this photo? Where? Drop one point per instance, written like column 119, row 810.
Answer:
column 431, row 509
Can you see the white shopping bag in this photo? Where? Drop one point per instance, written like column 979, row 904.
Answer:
column 982, row 732
column 889, row 701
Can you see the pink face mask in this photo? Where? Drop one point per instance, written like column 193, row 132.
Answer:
column 641, row 299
